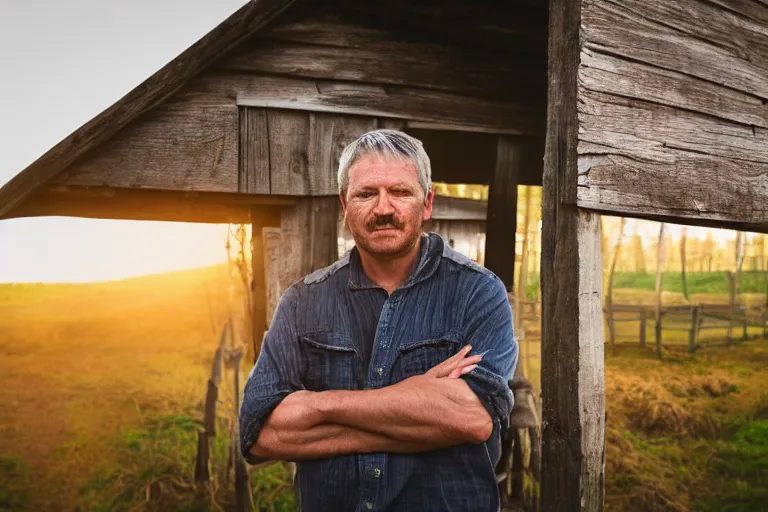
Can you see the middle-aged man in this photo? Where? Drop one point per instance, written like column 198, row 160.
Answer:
column 385, row 374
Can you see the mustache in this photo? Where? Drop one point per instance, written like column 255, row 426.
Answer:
column 380, row 221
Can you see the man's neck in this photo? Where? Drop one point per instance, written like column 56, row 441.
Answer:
column 392, row 272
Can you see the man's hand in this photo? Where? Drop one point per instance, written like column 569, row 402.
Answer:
column 455, row 366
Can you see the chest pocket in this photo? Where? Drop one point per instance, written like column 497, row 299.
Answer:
column 332, row 361
column 416, row 357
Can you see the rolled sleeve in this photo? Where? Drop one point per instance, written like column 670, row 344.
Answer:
column 491, row 334
column 276, row 374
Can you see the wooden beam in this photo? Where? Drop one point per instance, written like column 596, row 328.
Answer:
column 458, row 208
column 412, row 103
column 501, row 222
column 247, row 20
column 573, row 386
column 140, row 204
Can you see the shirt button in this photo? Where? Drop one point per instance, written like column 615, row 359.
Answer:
column 380, row 371
column 377, row 472
column 368, row 505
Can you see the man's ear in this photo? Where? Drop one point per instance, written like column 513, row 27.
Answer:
column 428, row 204
column 343, row 202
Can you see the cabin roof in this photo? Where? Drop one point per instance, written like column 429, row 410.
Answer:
column 244, row 23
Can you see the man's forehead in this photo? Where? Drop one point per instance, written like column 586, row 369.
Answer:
column 372, row 168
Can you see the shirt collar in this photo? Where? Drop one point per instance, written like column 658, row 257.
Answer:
column 430, row 253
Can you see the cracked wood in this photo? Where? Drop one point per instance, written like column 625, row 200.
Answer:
column 673, row 110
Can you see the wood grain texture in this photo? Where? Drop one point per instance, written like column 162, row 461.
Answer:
column 253, row 171
column 335, row 40
column 160, row 86
column 288, row 144
column 501, row 219
column 259, row 299
column 304, row 149
column 188, row 143
column 308, row 238
column 573, row 389
column 458, row 208
column 673, row 111
column 385, row 101
column 133, row 204
column 272, row 270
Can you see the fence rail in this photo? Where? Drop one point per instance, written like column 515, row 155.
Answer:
column 690, row 318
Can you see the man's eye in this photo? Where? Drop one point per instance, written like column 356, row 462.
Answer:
column 401, row 192
column 364, row 195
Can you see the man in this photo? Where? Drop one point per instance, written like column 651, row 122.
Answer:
column 385, row 375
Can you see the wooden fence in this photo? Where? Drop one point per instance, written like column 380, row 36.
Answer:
column 735, row 322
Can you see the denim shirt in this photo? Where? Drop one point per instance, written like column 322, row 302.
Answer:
column 338, row 330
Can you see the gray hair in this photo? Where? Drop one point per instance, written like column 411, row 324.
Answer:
column 390, row 143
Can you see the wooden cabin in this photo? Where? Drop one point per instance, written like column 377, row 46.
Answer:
column 644, row 108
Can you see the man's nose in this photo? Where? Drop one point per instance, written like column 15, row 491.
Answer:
column 383, row 204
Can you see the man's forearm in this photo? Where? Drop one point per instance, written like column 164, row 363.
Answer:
column 328, row 440
column 420, row 409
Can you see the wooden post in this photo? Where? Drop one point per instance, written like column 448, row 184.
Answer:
column 643, row 321
column 522, row 284
column 660, row 253
column 609, row 298
column 695, row 316
column 573, row 382
column 732, row 301
column 308, row 237
column 501, row 220
column 260, row 218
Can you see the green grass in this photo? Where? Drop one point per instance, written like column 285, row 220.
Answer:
column 698, row 282
column 156, row 469
column 14, row 479
column 739, row 473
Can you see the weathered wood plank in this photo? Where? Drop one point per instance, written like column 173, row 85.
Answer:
column 502, row 211
column 139, row 204
column 389, row 59
column 288, row 143
column 573, row 389
column 641, row 158
column 654, row 133
column 630, row 79
column 382, row 101
column 189, row 143
column 458, row 208
column 254, row 151
column 329, row 134
column 689, row 36
column 259, row 297
column 272, row 269
column 154, row 90
column 308, row 238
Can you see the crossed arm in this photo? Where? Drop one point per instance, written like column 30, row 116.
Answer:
column 421, row 413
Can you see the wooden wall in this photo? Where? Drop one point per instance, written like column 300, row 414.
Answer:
column 401, row 60
column 673, row 110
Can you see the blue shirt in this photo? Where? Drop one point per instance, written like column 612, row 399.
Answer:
column 336, row 329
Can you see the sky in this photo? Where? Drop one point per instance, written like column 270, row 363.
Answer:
column 61, row 63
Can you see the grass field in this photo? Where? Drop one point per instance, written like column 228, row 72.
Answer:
column 101, row 386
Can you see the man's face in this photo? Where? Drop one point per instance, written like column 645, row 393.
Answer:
column 385, row 205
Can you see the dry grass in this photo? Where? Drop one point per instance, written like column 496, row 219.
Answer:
column 82, row 363
column 85, row 365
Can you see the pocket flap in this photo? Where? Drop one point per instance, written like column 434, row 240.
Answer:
column 444, row 340
column 334, row 341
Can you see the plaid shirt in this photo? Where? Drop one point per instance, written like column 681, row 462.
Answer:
column 338, row 330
